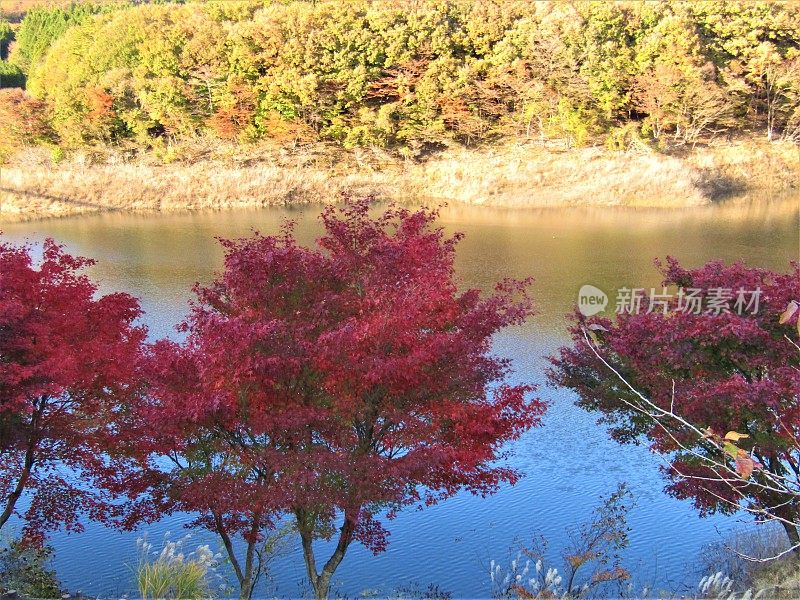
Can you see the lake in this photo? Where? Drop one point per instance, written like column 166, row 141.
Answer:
column 569, row 463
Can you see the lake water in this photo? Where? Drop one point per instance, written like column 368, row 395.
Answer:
column 569, row 462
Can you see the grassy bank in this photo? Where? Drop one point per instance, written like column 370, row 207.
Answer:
column 514, row 175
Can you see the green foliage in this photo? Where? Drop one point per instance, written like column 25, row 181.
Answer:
column 409, row 73
column 10, row 75
column 624, row 138
column 43, row 25
column 6, row 37
column 57, row 154
column 27, row 571
column 6, row 33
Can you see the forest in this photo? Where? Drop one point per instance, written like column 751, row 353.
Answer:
column 409, row 76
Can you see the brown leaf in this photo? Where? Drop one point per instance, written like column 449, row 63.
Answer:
column 744, row 466
column 521, row 592
column 734, row 436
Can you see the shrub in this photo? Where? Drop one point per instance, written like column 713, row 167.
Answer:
column 26, row 570
column 11, row 76
column 591, row 561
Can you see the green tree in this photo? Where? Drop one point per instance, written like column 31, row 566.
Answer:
column 755, row 44
column 6, row 37
column 677, row 88
column 43, row 25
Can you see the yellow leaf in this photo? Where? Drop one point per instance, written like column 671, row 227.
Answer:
column 735, row 437
column 791, row 308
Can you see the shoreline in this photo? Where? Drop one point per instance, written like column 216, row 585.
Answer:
column 518, row 176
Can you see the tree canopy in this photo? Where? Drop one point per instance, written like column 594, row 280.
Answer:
column 68, row 377
column 713, row 386
column 335, row 384
column 409, row 74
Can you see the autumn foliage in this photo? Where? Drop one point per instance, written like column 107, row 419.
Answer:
column 406, row 74
column 336, row 384
column 23, row 121
column 733, row 377
column 68, row 374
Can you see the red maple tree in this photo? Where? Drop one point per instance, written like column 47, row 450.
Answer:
column 714, row 388
column 335, row 384
column 67, row 372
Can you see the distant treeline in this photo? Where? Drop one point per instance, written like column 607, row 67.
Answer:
column 405, row 74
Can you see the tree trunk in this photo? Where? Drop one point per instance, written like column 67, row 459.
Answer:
column 323, row 586
column 248, row 580
column 243, row 577
column 27, row 465
column 787, row 516
column 321, row 582
column 14, row 496
column 794, row 536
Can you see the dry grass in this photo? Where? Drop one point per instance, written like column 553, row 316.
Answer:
column 32, row 188
column 15, row 6
column 521, row 176
column 780, row 579
column 726, row 555
column 14, row 10
column 747, row 164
